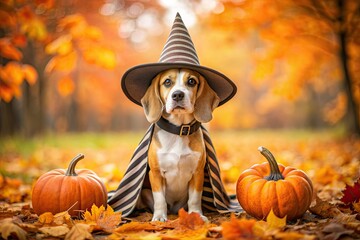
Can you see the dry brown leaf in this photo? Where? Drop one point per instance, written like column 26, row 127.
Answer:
column 345, row 218
column 56, row 231
column 62, row 218
column 324, row 209
column 29, row 227
column 8, row 230
column 334, row 231
column 294, row 236
column 109, row 223
column 79, row 231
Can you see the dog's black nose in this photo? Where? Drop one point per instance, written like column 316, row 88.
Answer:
column 177, row 96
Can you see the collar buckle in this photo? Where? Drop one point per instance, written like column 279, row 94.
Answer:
column 185, row 130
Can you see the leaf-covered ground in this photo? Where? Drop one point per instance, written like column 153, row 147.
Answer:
column 330, row 160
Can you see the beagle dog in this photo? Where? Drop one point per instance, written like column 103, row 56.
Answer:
column 176, row 99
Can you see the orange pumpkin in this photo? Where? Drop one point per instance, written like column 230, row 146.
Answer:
column 269, row 185
column 61, row 190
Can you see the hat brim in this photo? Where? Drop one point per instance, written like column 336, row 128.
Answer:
column 136, row 80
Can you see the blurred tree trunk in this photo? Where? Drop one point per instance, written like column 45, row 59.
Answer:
column 352, row 113
column 30, row 118
column 33, row 99
column 9, row 119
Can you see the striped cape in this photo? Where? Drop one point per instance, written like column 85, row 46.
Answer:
column 214, row 196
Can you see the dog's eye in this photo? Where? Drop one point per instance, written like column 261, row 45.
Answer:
column 167, row 83
column 191, row 82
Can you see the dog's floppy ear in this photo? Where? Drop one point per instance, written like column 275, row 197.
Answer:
column 151, row 101
column 207, row 100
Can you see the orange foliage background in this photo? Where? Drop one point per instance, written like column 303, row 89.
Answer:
column 65, row 61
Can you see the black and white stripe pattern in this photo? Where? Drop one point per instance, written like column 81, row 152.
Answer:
column 214, row 197
column 124, row 198
column 179, row 47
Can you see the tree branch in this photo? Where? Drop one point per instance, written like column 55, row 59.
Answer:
column 316, row 13
column 354, row 22
column 320, row 9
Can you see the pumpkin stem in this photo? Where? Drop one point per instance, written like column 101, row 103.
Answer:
column 71, row 169
column 275, row 173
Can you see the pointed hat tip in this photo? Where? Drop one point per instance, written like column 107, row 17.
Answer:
column 178, row 15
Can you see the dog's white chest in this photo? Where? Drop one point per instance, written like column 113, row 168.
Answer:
column 177, row 163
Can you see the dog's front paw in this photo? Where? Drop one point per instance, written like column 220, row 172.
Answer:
column 159, row 217
column 205, row 219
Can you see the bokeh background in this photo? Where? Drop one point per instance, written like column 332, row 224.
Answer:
column 296, row 63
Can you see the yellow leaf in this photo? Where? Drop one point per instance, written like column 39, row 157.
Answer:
column 30, row 73
column 102, row 219
column 8, row 228
column 46, row 217
column 137, row 227
column 274, row 221
column 100, row 56
column 70, row 21
column 75, row 24
column 35, row 28
column 61, row 45
column 62, row 217
column 12, row 73
column 356, row 206
column 93, row 33
column 95, row 213
column 62, row 62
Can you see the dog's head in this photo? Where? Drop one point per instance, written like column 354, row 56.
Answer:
column 179, row 91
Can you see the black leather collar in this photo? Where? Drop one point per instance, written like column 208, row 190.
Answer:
column 183, row 130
